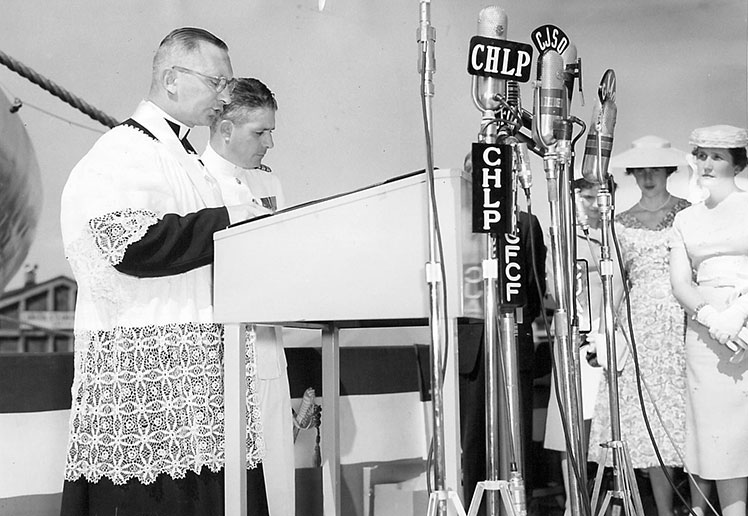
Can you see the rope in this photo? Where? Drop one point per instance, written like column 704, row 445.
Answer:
column 57, row 91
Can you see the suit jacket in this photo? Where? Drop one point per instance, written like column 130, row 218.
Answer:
column 471, row 336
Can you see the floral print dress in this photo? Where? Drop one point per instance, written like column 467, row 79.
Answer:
column 659, row 328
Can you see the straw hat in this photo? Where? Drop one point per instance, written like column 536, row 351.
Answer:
column 649, row 152
column 719, row 136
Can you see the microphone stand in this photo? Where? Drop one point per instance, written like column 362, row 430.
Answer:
column 490, row 354
column 501, row 404
column 625, row 491
column 434, row 277
column 558, row 171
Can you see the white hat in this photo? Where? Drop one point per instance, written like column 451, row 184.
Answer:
column 649, row 152
column 719, row 136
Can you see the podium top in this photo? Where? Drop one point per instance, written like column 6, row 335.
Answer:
column 358, row 256
column 437, row 173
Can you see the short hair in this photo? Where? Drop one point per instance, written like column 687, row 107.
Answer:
column 583, row 184
column 668, row 170
column 184, row 41
column 738, row 154
column 248, row 94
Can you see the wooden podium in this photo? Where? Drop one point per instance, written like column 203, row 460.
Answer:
column 352, row 260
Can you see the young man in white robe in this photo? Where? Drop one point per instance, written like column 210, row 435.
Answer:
column 239, row 139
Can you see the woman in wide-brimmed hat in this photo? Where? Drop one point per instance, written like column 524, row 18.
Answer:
column 657, row 319
column 709, row 274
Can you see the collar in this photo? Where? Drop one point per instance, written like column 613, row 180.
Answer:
column 218, row 165
column 180, row 130
column 154, row 119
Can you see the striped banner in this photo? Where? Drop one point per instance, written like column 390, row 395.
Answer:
column 383, row 421
column 34, row 413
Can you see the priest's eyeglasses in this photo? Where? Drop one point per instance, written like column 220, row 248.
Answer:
column 217, row 83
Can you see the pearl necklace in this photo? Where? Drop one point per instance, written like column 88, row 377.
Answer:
column 669, row 196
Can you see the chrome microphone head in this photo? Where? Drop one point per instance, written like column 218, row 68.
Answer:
column 550, row 102
column 599, row 143
column 492, row 23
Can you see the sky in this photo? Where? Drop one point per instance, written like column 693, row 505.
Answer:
column 347, row 84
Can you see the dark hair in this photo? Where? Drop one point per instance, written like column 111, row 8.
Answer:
column 668, row 170
column 185, row 40
column 582, row 184
column 248, row 94
column 738, row 154
column 739, row 157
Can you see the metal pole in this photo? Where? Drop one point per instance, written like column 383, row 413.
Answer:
column 513, row 469
column 437, row 322
column 556, row 163
column 491, row 355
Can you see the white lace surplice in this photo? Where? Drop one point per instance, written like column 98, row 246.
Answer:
column 147, row 397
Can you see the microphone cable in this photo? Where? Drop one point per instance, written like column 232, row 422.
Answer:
column 440, row 251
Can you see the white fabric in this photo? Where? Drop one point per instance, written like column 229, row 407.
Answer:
column 590, row 377
column 238, row 186
column 242, row 185
column 147, row 397
column 716, row 241
column 649, row 152
column 278, row 465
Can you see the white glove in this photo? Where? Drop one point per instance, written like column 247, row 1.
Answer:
column 725, row 325
column 706, row 315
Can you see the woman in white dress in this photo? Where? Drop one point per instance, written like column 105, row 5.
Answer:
column 709, row 275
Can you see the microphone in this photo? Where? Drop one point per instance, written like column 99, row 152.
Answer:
column 550, row 105
column 572, row 70
column 512, row 95
column 304, row 416
column 599, row 144
column 492, row 23
column 517, row 493
column 426, row 35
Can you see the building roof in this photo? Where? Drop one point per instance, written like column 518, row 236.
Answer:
column 13, row 296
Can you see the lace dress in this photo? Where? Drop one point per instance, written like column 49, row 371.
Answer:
column 659, row 328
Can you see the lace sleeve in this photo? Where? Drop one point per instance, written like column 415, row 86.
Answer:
column 173, row 245
column 114, row 231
